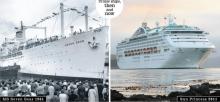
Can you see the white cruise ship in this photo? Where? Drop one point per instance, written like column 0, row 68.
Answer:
column 83, row 54
column 171, row 46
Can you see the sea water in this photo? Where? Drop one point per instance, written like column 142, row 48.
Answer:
column 160, row 81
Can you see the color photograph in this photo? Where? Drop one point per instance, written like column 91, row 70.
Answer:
column 161, row 49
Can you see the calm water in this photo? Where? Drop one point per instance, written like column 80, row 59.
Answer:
column 161, row 81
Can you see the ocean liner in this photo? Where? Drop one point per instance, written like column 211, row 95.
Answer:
column 83, row 54
column 170, row 46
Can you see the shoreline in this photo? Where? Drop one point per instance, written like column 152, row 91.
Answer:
column 204, row 89
column 160, row 89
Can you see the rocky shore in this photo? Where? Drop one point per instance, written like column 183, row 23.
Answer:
column 204, row 89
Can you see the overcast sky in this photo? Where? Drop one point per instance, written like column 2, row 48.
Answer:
column 32, row 11
column 204, row 14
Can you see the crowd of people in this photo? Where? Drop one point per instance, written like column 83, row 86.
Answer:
column 56, row 91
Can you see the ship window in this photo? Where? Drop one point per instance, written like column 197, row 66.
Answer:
column 197, row 32
column 166, row 49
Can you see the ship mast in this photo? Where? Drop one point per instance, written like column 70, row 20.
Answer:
column 86, row 17
column 62, row 31
column 22, row 30
column 62, row 19
column 171, row 20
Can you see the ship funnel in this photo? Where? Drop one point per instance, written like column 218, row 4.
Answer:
column 171, row 20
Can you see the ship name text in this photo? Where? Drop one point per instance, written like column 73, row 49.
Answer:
column 75, row 42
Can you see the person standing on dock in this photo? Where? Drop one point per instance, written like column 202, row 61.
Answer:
column 92, row 95
column 40, row 90
column 81, row 92
column 97, row 92
column 51, row 89
column 63, row 96
column 105, row 92
column 4, row 92
column 55, row 98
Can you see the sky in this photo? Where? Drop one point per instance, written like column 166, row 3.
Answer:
column 32, row 11
column 204, row 14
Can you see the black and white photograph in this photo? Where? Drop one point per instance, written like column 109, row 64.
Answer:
column 58, row 49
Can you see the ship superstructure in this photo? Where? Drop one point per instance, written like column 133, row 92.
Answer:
column 171, row 46
column 82, row 54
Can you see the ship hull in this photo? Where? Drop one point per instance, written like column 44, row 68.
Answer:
column 73, row 56
column 176, row 58
column 9, row 72
column 23, row 76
